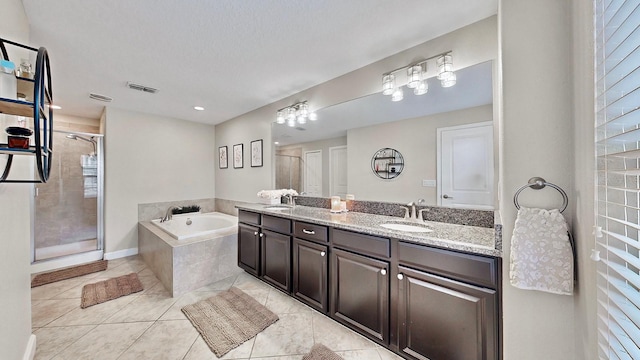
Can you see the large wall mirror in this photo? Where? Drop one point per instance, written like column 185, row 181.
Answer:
column 445, row 136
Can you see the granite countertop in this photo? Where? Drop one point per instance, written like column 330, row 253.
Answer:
column 472, row 239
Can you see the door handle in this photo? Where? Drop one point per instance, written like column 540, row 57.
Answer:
column 308, row 232
column 447, row 196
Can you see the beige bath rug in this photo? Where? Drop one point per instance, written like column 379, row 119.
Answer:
column 321, row 352
column 228, row 319
column 110, row 289
column 68, row 273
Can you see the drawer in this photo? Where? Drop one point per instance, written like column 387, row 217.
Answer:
column 277, row 224
column 313, row 232
column 474, row 269
column 248, row 217
column 361, row 243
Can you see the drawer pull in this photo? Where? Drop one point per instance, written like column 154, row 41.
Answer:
column 322, row 253
column 383, row 272
column 308, row 232
column 400, row 276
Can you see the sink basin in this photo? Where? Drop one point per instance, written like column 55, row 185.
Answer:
column 277, row 207
column 407, row 227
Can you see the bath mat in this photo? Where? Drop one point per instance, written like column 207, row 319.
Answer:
column 228, row 319
column 68, row 273
column 110, row 289
column 321, row 352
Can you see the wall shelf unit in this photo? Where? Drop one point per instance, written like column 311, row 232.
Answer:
column 38, row 94
column 387, row 163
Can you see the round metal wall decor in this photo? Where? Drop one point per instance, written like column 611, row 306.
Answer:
column 387, row 163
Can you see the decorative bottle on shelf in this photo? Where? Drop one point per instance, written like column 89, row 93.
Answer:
column 8, row 82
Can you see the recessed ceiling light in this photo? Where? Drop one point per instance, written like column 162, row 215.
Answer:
column 55, row 107
column 199, row 108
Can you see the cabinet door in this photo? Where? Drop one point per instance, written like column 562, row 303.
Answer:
column 310, row 273
column 249, row 248
column 441, row 318
column 360, row 293
column 276, row 259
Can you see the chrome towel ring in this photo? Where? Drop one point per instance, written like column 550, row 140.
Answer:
column 538, row 183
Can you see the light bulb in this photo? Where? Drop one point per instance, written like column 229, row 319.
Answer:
column 388, row 84
column 445, row 66
column 280, row 117
column 449, row 82
column 313, row 116
column 302, row 120
column 414, row 76
column 397, row 95
column 422, row 88
column 291, row 122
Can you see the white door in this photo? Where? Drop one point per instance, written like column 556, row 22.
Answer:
column 313, row 173
column 338, row 171
column 465, row 166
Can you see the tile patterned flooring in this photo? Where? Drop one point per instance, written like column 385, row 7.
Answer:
column 150, row 325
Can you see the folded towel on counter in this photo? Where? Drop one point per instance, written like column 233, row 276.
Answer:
column 541, row 254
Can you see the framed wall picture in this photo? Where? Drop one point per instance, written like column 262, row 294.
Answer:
column 238, row 156
column 256, row 153
column 223, row 158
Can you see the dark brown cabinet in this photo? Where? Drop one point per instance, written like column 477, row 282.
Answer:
column 249, row 248
column 440, row 318
column 310, row 261
column 276, row 259
column 360, row 293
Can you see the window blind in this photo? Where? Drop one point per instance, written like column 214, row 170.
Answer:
column 617, row 83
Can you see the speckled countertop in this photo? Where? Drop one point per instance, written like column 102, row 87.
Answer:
column 472, row 239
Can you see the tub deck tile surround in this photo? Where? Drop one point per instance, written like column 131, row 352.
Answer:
column 184, row 265
column 162, row 331
column 472, row 239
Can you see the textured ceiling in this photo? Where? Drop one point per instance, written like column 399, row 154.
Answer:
column 229, row 56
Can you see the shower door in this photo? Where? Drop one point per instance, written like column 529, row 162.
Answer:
column 67, row 217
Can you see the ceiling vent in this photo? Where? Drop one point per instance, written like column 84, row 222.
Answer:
column 100, row 97
column 143, row 88
column 300, row 128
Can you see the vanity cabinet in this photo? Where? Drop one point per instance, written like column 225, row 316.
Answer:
column 249, row 248
column 310, row 271
column 275, row 242
column 360, row 286
column 448, row 304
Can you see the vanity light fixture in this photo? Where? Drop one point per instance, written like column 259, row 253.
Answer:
column 297, row 113
column 416, row 76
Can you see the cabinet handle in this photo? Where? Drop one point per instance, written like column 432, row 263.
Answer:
column 322, row 253
column 261, row 234
column 383, row 271
column 255, row 233
column 400, row 276
column 309, row 232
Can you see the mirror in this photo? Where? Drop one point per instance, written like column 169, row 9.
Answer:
column 332, row 156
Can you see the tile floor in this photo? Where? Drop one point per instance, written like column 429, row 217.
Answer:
column 150, row 325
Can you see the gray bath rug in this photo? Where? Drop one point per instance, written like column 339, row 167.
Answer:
column 68, row 273
column 110, row 289
column 228, row 319
column 321, row 352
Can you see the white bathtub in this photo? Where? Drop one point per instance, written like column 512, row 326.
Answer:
column 201, row 224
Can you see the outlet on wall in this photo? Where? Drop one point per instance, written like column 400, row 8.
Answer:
column 429, row 183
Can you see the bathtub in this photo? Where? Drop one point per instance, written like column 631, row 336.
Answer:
column 186, row 226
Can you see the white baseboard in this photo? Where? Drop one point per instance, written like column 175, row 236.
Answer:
column 70, row 260
column 30, row 351
column 120, row 253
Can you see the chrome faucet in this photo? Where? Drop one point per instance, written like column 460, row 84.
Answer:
column 291, row 200
column 169, row 214
column 410, row 212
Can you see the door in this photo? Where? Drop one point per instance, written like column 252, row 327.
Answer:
column 276, row 255
column 465, row 166
column 338, row 171
column 360, row 293
column 249, row 248
column 313, row 173
column 441, row 318
column 310, row 273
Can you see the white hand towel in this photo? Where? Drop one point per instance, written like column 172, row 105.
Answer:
column 541, row 255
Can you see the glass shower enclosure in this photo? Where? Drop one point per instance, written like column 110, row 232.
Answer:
column 67, row 210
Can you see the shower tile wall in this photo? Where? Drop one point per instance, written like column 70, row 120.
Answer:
column 63, row 214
